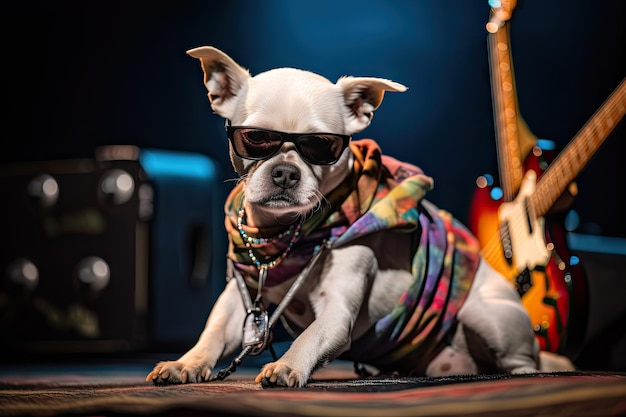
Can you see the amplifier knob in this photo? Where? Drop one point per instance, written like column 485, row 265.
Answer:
column 94, row 273
column 23, row 273
column 117, row 186
column 44, row 189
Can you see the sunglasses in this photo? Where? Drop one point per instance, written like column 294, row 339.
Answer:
column 259, row 144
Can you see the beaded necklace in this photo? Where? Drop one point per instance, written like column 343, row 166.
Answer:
column 294, row 231
column 256, row 325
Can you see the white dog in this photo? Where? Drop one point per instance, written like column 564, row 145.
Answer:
column 337, row 240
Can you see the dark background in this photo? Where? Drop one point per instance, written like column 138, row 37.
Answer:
column 81, row 74
column 77, row 75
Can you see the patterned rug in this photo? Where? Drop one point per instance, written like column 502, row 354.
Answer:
column 114, row 390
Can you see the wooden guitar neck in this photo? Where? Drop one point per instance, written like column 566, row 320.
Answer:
column 514, row 139
column 577, row 153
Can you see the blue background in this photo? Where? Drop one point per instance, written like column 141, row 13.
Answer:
column 77, row 75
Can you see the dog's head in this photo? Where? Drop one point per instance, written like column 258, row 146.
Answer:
column 288, row 131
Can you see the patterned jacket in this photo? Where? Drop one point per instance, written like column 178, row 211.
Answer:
column 381, row 193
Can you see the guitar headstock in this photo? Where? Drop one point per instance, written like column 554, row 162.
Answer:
column 501, row 11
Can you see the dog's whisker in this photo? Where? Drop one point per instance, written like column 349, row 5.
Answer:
column 281, row 221
column 237, row 179
column 321, row 202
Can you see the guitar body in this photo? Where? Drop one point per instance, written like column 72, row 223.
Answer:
column 554, row 291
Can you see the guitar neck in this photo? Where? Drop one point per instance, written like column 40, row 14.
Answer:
column 513, row 138
column 572, row 159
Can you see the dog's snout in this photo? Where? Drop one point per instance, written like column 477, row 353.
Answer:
column 285, row 175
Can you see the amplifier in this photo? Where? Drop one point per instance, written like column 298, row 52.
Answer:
column 113, row 253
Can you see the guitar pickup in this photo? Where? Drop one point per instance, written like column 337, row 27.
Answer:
column 507, row 246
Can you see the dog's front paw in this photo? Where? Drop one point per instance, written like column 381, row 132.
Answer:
column 172, row 372
column 279, row 374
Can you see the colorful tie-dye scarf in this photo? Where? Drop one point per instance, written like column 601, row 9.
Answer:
column 381, row 193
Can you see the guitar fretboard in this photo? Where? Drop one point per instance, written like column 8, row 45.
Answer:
column 505, row 111
column 572, row 159
column 514, row 140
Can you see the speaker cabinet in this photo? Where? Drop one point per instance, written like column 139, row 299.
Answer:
column 108, row 254
column 604, row 261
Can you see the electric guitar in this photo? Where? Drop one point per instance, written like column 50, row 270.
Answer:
column 520, row 236
column 544, row 291
column 521, row 240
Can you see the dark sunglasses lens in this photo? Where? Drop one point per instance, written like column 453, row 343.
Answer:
column 255, row 143
column 320, row 149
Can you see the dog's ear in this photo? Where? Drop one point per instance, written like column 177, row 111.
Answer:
column 223, row 77
column 362, row 96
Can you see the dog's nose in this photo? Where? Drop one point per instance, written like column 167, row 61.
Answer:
column 285, row 176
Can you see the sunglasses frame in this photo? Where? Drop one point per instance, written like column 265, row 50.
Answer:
column 286, row 137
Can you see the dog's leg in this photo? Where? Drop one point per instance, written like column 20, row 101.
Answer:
column 553, row 362
column 336, row 301
column 494, row 332
column 221, row 336
column 495, row 314
column 454, row 359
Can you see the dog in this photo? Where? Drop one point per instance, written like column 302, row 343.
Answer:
column 366, row 268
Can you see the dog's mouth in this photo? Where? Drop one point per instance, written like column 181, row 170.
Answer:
column 279, row 201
